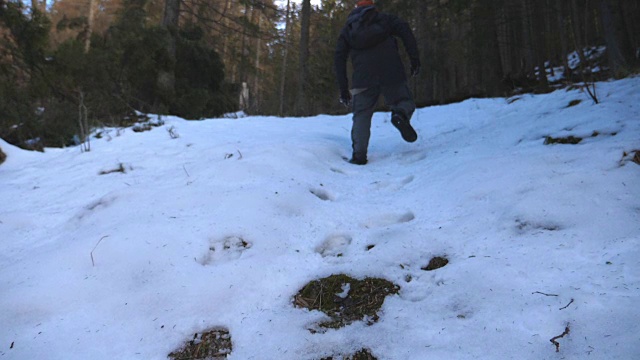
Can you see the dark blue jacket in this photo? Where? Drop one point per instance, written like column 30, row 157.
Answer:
column 374, row 54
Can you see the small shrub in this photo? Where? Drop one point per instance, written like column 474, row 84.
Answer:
column 172, row 132
column 3, row 156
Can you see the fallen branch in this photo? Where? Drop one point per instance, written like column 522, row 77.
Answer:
column 98, row 243
column 553, row 339
column 538, row 292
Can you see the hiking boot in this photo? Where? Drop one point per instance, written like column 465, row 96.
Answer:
column 358, row 161
column 403, row 125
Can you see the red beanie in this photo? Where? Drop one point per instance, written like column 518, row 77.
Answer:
column 364, row 3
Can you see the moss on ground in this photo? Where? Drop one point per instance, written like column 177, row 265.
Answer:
column 345, row 299
column 363, row 354
column 214, row 344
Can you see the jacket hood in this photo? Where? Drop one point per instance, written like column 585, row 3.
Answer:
column 358, row 13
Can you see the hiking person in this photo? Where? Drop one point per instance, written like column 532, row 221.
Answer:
column 369, row 37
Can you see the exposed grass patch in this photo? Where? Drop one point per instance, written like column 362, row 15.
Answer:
column 633, row 156
column 562, row 140
column 345, row 299
column 119, row 169
column 574, row 103
column 363, row 354
column 549, row 140
column 214, row 344
column 436, row 262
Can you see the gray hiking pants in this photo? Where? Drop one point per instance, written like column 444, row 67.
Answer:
column 397, row 97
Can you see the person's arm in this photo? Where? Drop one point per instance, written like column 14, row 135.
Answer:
column 340, row 62
column 401, row 29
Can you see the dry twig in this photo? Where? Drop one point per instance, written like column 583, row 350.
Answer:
column 98, row 243
column 564, row 307
column 553, row 339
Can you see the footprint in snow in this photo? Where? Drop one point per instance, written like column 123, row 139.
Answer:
column 102, row 203
column 394, row 184
column 414, row 158
column 535, row 227
column 322, row 194
column 337, row 171
column 334, row 245
column 388, row 220
column 228, row 248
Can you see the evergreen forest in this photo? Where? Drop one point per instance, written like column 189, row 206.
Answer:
column 68, row 67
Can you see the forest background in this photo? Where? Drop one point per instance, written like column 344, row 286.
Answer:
column 68, row 67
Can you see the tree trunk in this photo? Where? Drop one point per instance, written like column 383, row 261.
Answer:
column 90, row 22
column 303, row 74
column 538, row 27
column 166, row 77
column 564, row 47
column 576, row 35
column 256, row 77
column 225, row 24
column 243, row 48
column 283, row 74
column 528, row 58
column 617, row 62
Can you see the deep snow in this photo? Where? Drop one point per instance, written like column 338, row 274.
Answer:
column 131, row 265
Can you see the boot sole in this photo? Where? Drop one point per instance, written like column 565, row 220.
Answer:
column 406, row 130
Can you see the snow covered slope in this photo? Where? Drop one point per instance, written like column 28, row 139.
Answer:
column 126, row 251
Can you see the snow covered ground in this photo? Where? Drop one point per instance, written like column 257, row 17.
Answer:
column 131, row 265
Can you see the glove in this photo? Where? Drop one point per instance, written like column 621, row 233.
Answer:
column 345, row 98
column 415, row 67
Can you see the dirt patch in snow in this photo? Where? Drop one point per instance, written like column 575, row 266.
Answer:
column 345, row 299
column 213, row 344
